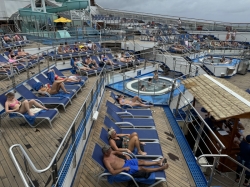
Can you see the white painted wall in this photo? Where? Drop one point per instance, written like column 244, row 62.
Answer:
column 9, row 7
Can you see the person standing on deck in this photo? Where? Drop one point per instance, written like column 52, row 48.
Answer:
column 244, row 158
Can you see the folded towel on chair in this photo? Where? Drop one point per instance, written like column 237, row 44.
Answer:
column 51, row 76
column 37, row 86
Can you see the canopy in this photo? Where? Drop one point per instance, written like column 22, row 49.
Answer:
column 62, row 19
column 219, row 97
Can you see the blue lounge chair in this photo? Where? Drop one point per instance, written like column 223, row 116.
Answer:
column 119, row 64
column 73, row 89
column 97, row 156
column 131, row 122
column 129, row 113
column 153, row 149
column 144, row 134
column 27, row 94
column 248, row 91
column 48, row 115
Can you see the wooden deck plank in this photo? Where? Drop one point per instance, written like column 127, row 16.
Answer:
column 177, row 172
column 42, row 139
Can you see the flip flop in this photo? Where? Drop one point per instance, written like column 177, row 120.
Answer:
column 164, row 161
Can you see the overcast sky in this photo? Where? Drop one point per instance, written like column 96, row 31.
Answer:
column 218, row 10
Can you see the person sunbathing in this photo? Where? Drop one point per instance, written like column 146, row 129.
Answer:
column 106, row 60
column 17, row 38
column 125, row 58
column 55, row 88
column 7, row 39
column 116, row 165
column 91, row 46
column 91, row 63
column 60, row 49
column 21, row 53
column 125, row 142
column 68, row 79
column 80, row 65
column 13, row 105
column 135, row 101
column 67, row 48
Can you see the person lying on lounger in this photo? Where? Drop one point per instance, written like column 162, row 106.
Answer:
column 116, row 165
column 13, row 105
column 135, row 101
column 68, row 79
column 106, row 60
column 55, row 88
column 91, row 63
column 80, row 65
column 21, row 53
column 125, row 142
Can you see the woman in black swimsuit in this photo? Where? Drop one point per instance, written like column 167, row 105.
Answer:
column 124, row 142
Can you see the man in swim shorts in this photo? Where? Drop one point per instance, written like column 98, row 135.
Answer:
column 116, row 165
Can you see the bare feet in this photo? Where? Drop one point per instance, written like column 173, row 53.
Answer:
column 143, row 143
column 142, row 153
column 165, row 166
column 162, row 161
column 45, row 108
column 67, row 92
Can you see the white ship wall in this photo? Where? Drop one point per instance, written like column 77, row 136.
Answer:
column 9, row 7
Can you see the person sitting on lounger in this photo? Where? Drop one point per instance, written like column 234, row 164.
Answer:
column 21, row 53
column 81, row 65
column 11, row 53
column 55, row 88
column 60, row 49
column 13, row 105
column 76, row 47
column 116, row 165
column 91, row 45
column 125, row 142
column 135, row 101
column 17, row 38
column 7, row 39
column 91, row 63
column 67, row 48
column 69, row 79
column 125, row 58
column 106, row 60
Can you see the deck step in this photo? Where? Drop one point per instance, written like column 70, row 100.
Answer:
column 195, row 170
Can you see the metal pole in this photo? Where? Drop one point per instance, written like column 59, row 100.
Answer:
column 124, row 76
column 54, row 172
column 197, row 141
column 213, row 169
column 177, row 105
column 172, row 92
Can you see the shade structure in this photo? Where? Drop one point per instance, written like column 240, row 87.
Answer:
column 62, row 20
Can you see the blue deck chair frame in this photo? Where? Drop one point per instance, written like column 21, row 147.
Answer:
column 147, row 135
column 131, row 122
column 48, row 115
column 129, row 112
column 97, row 157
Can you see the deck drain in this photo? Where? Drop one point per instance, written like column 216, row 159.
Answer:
column 28, row 146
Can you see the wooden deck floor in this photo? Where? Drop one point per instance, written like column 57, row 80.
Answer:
column 177, row 174
column 40, row 143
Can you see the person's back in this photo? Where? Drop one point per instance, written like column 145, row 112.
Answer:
column 245, row 151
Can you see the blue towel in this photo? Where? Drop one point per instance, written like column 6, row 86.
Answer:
column 51, row 76
column 61, row 95
column 37, row 86
column 123, row 178
column 30, row 119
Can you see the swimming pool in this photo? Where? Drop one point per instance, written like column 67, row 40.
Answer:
column 156, row 99
column 143, row 86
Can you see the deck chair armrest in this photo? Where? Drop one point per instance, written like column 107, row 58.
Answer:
column 124, row 123
column 45, row 93
column 18, row 113
column 131, row 155
column 125, row 112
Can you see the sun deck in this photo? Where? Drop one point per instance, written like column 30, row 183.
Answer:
column 41, row 143
column 177, row 174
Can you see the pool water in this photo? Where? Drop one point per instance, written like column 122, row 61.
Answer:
column 156, row 99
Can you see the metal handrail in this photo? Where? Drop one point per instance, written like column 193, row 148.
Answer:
column 58, row 149
column 203, row 121
column 221, row 155
column 166, row 16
